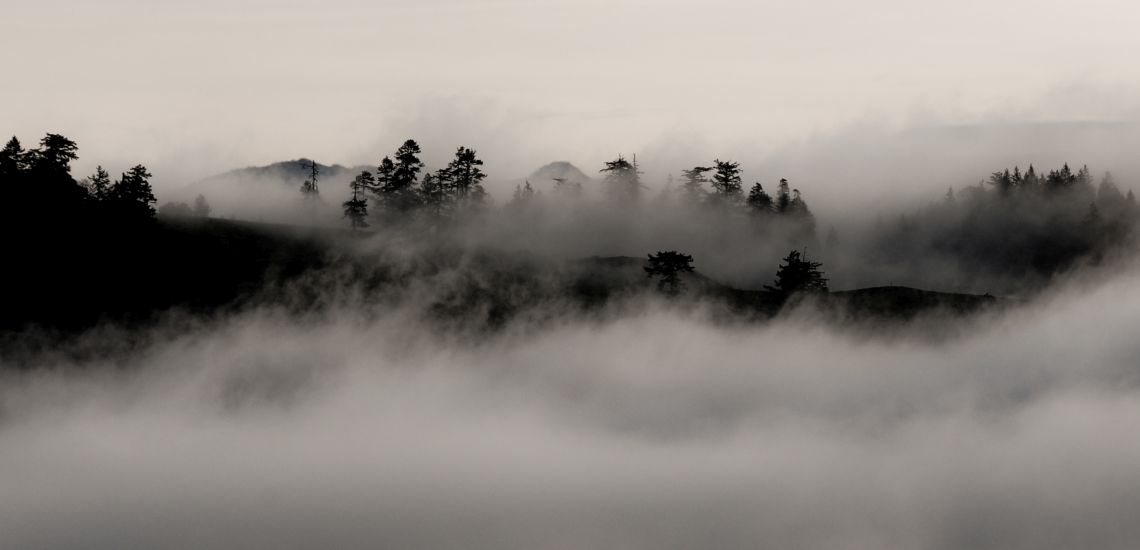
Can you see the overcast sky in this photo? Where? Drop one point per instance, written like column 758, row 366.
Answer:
column 191, row 88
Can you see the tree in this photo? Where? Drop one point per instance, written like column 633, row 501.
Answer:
column 465, row 176
column 435, row 193
column 759, row 201
column 11, row 160
column 396, row 180
column 798, row 274
column 692, row 187
column 356, row 208
column 309, row 188
column 54, row 155
column 726, row 182
column 99, row 184
column 132, row 196
column 783, row 196
column 201, row 207
column 623, row 179
column 668, row 266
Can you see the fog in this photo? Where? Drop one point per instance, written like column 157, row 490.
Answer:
column 653, row 428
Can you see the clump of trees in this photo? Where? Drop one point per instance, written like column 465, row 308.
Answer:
column 40, row 178
column 201, row 209
column 1021, row 227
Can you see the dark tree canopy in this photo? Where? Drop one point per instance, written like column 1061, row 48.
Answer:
column 726, row 182
column 669, row 266
column 759, row 201
column 623, row 178
column 798, row 274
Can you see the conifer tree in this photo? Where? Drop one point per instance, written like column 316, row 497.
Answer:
column 623, row 179
column 131, row 196
column 798, row 274
column 783, row 196
column 693, row 185
column 669, row 266
column 466, row 177
column 726, row 181
column 759, row 201
column 99, row 184
column 356, row 208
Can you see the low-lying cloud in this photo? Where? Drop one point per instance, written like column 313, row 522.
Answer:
column 653, row 429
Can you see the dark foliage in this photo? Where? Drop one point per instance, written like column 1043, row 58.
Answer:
column 669, row 266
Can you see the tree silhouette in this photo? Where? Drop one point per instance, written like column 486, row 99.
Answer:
column 798, row 274
column 692, row 186
column 11, row 160
column 396, row 180
column 759, row 201
column 668, row 266
column 726, row 182
column 466, row 177
column 623, row 178
column 99, row 184
column 783, row 196
column 356, row 208
column 309, row 188
column 132, row 197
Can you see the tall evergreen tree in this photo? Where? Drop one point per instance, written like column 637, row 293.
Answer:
column 396, row 181
column 99, row 184
column 466, row 177
column 759, row 201
column 783, row 196
column 131, row 196
column 726, row 182
column 356, row 208
column 12, row 159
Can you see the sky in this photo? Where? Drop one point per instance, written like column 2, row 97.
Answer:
column 192, row 89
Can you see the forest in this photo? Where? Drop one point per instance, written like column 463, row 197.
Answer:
column 103, row 251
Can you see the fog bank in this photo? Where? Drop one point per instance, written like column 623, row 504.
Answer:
column 654, row 429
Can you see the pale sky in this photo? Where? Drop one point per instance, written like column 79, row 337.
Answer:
column 193, row 88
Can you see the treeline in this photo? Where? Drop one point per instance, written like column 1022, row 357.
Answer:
column 402, row 190
column 1014, row 225
column 38, row 186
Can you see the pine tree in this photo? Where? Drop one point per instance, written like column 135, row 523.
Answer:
column 466, row 177
column 798, row 274
column 396, row 180
column 356, row 208
column 726, row 182
column 623, row 179
column 783, row 196
column 99, row 184
column 693, row 185
column 131, row 196
column 669, row 266
column 759, row 201
column 12, row 159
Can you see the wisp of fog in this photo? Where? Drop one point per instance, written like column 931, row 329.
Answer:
column 657, row 428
